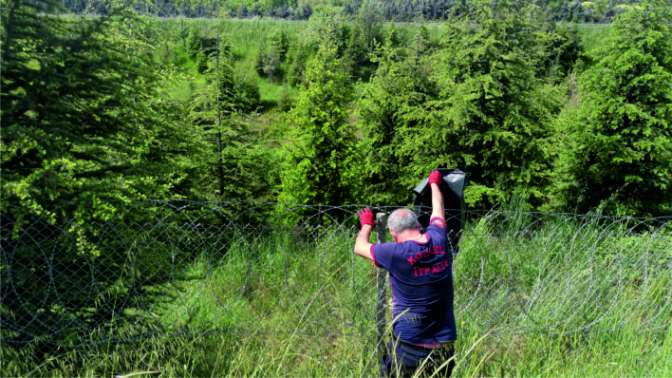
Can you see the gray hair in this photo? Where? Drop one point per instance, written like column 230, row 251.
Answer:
column 403, row 219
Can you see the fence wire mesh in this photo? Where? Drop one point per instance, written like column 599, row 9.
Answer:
column 124, row 289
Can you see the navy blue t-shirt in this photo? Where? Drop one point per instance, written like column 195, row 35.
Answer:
column 422, row 286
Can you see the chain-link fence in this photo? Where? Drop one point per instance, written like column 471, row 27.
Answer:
column 53, row 293
column 56, row 297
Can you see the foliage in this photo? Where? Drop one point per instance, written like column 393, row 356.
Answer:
column 313, row 171
column 247, row 95
column 395, row 10
column 491, row 117
column 618, row 157
column 299, row 54
column 100, row 114
column 272, row 56
column 560, row 50
column 391, row 103
column 200, row 48
column 404, row 10
column 83, row 125
column 238, row 163
column 366, row 34
column 474, row 103
column 318, row 29
column 85, row 133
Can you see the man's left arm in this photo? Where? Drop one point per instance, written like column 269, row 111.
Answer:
column 438, row 216
column 362, row 243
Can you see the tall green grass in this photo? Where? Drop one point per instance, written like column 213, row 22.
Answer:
column 535, row 297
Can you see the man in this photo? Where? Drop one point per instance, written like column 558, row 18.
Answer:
column 420, row 271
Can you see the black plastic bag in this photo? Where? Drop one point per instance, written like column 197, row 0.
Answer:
column 452, row 188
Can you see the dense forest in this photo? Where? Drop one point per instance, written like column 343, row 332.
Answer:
column 397, row 10
column 102, row 113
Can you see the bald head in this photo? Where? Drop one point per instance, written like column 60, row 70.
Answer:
column 402, row 219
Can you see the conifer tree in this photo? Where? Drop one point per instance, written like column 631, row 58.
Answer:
column 365, row 37
column 392, row 103
column 315, row 161
column 238, row 170
column 618, row 157
column 491, row 117
column 82, row 119
column 85, row 135
column 272, row 56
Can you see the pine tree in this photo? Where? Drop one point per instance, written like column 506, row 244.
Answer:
column 80, row 113
column 85, row 135
column 272, row 56
column 391, row 104
column 364, row 37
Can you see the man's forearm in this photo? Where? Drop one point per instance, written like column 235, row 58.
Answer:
column 437, row 202
column 362, row 244
column 365, row 232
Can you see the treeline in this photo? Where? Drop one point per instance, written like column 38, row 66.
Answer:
column 505, row 94
column 397, row 10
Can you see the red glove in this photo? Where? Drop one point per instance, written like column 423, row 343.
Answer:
column 366, row 217
column 435, row 177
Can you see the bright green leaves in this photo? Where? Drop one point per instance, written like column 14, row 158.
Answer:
column 81, row 127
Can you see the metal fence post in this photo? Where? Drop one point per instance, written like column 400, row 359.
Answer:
column 380, row 290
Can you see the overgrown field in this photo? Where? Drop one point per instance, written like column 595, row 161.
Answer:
column 535, row 295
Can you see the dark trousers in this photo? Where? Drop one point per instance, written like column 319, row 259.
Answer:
column 402, row 359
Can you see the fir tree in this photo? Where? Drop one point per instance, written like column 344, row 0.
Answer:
column 492, row 115
column 619, row 154
column 81, row 116
column 313, row 173
column 392, row 103
column 239, row 165
column 85, row 135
